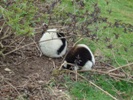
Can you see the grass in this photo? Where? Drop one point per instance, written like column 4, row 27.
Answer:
column 120, row 51
column 19, row 16
column 113, row 42
column 82, row 90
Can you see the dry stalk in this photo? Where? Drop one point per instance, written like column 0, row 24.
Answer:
column 38, row 48
column 20, row 42
column 77, row 41
column 41, row 94
column 113, row 75
column 76, row 75
column 54, row 66
column 129, row 64
column 115, row 58
column 103, row 72
column 121, row 79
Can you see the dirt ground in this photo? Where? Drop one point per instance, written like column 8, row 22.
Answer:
column 27, row 76
column 24, row 74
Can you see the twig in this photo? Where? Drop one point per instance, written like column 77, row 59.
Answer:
column 109, row 74
column 20, row 42
column 53, row 63
column 22, row 61
column 77, row 41
column 115, row 58
column 120, row 67
column 41, row 94
column 76, row 74
column 122, row 79
column 106, row 64
column 38, row 48
column 103, row 72
column 2, row 27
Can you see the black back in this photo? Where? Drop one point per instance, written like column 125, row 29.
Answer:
column 78, row 56
column 62, row 36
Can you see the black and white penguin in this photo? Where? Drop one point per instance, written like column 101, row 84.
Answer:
column 53, row 44
column 79, row 57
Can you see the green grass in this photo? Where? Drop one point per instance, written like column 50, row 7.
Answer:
column 82, row 90
column 121, row 51
column 121, row 10
column 19, row 16
column 117, row 50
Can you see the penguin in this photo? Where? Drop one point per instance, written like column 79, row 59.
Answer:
column 80, row 57
column 53, row 44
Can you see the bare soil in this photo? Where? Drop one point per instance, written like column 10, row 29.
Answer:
column 24, row 74
column 27, row 76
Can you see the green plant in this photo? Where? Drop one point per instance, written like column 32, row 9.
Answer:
column 19, row 15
